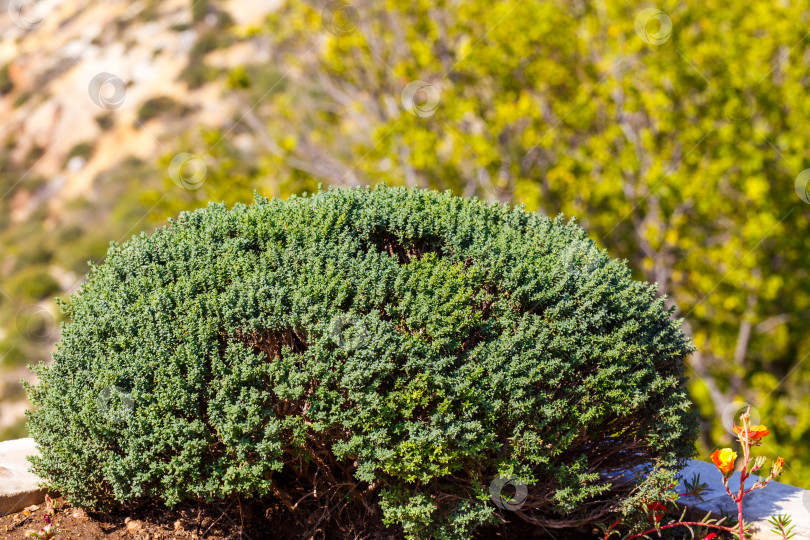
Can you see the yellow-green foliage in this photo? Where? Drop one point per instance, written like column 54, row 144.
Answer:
column 680, row 157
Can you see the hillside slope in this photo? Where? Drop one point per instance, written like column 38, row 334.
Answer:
column 90, row 93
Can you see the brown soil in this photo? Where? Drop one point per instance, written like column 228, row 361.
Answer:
column 255, row 521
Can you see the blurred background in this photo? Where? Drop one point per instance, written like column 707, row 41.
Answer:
column 676, row 133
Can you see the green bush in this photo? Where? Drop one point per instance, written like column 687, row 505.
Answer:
column 82, row 149
column 105, row 120
column 157, row 106
column 14, row 431
column 32, row 284
column 199, row 9
column 238, row 78
column 6, row 84
column 394, row 348
column 196, row 74
column 24, row 96
column 207, row 42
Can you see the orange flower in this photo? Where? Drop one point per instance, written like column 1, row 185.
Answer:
column 754, row 432
column 724, row 459
column 780, row 463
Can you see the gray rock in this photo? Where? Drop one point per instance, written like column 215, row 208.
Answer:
column 758, row 506
column 18, row 487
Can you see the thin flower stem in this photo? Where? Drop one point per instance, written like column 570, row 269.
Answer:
column 759, row 486
column 610, row 529
column 725, row 485
column 684, row 523
column 744, row 442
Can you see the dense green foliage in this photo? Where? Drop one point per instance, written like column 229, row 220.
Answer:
column 401, row 348
column 680, row 157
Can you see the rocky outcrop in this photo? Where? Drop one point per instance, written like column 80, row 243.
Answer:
column 18, row 487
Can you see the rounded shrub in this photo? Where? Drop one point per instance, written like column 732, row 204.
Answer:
column 387, row 352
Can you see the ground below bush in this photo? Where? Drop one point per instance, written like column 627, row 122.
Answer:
column 256, row 521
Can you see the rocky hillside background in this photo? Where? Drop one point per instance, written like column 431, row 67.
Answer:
column 90, row 91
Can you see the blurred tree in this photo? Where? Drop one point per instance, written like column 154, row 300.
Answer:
column 673, row 135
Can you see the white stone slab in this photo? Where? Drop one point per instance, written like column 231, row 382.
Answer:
column 18, row 487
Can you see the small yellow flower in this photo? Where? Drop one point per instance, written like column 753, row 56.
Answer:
column 724, row 459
